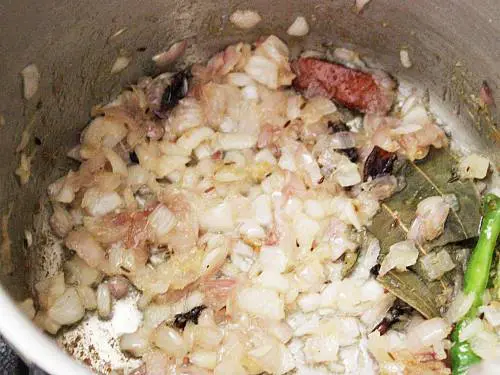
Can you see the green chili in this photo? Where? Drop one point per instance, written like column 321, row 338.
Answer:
column 475, row 281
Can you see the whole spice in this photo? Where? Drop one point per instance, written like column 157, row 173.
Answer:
column 174, row 92
column 378, row 163
column 396, row 311
column 192, row 315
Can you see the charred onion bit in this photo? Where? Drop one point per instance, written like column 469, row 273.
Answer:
column 174, row 92
column 337, row 127
column 399, row 308
column 192, row 315
column 133, row 157
column 378, row 163
column 351, row 153
column 365, row 92
column 486, row 95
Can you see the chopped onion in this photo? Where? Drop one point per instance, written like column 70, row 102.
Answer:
column 272, row 357
column 88, row 297
column 45, row 322
column 321, row 349
column 104, row 132
column 214, row 259
column 117, row 163
column 263, row 209
column 460, row 305
column 342, row 140
column 187, row 114
column 233, row 198
column 156, row 363
column 348, row 57
column 316, row 108
column 273, row 280
column 263, row 71
column 162, row 221
column 31, row 80
column 24, row 169
column 404, row 56
column 120, row 64
column 194, row 137
column 28, row 308
column 470, row 329
column 371, row 318
column 117, row 33
column 229, row 366
column 50, row 289
column 299, row 27
column 61, row 221
column 473, row 166
column 78, row 272
column 99, row 203
column 401, row 255
column 103, row 301
column 360, row 4
column 431, row 217
column 136, row 343
column 485, row 344
column 261, row 302
column 273, row 258
column 28, row 236
column 428, row 333
column 306, row 230
column 67, row 309
column 309, row 302
column 86, row 247
column 437, row 263
column 346, row 172
column 175, row 51
column 170, row 341
column 204, row 359
column 343, row 208
column 245, row 19
column 207, row 337
column 218, row 218
column 240, row 79
column 25, row 138
column 235, row 141
column 492, row 313
column 137, row 176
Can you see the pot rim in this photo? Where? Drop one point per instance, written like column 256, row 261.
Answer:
column 34, row 347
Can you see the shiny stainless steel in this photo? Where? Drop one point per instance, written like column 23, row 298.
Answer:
column 453, row 44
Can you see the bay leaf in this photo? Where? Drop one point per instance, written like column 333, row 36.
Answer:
column 425, row 178
column 410, row 288
column 429, row 297
column 349, row 261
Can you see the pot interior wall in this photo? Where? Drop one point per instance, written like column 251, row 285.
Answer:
column 453, row 44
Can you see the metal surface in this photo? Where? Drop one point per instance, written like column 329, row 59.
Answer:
column 453, row 44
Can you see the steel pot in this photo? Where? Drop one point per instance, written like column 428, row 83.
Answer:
column 453, row 44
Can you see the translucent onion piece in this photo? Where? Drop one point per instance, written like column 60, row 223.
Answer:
column 31, row 80
column 299, row 27
column 67, row 309
column 245, row 19
column 400, row 256
column 103, row 301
